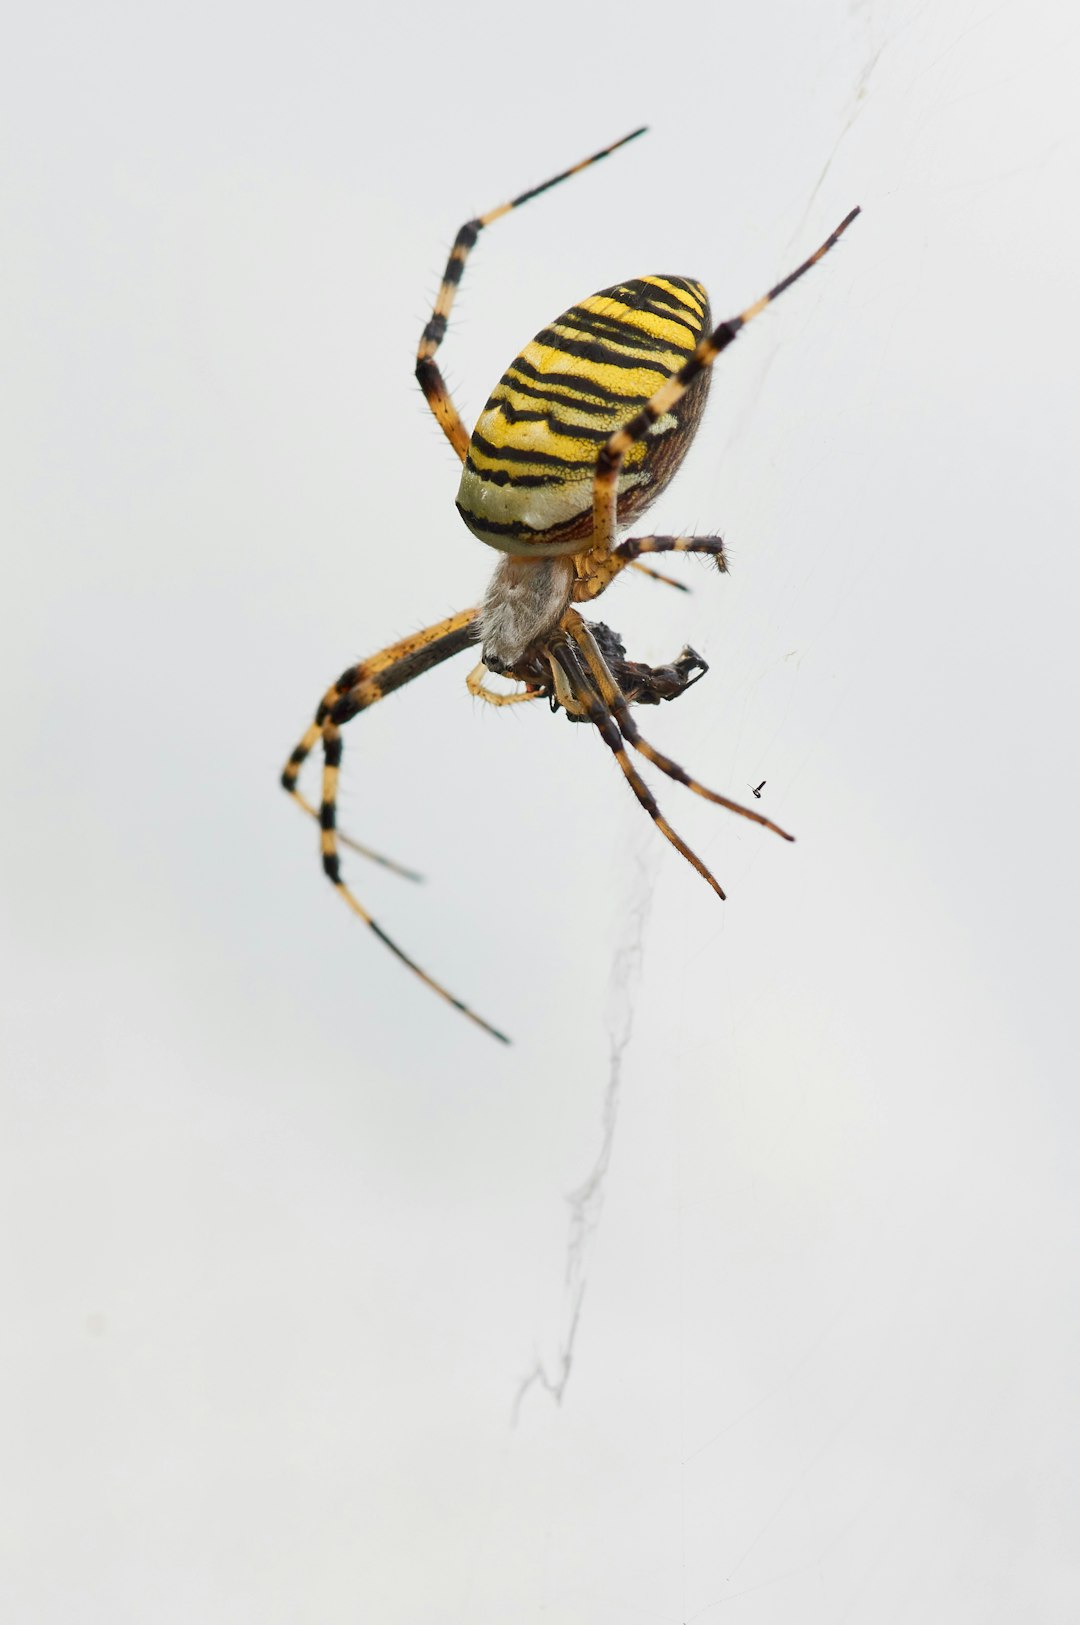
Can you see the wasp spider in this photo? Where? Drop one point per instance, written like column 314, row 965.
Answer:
column 581, row 434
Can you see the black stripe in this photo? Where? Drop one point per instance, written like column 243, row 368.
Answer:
column 404, row 670
column 599, row 354
column 521, row 532
column 429, row 377
column 432, row 654
column 454, row 268
column 653, row 341
column 348, row 707
column 557, row 425
column 519, row 384
column 516, row 454
column 695, row 366
column 586, row 320
column 640, row 295
column 332, row 867
column 574, row 380
column 669, row 313
column 501, row 476
column 327, row 815
column 726, row 333
column 617, row 331
column 332, row 748
column 671, row 301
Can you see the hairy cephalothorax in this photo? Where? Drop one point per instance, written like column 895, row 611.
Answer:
column 524, row 602
column 584, row 430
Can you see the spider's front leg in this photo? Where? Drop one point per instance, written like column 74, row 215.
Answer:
column 428, row 375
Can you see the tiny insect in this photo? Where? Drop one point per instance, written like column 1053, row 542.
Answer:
column 757, row 788
column 581, row 434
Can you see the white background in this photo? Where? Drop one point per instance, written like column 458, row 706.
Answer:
column 284, row 1238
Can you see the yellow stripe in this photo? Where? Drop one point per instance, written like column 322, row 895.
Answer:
column 669, row 330
column 639, row 382
column 532, row 457
column 577, row 457
column 690, row 294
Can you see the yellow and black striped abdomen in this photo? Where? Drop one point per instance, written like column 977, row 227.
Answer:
column 527, row 482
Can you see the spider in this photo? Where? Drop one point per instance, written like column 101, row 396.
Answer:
column 583, row 431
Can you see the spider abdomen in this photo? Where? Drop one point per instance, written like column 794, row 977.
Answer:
column 527, row 484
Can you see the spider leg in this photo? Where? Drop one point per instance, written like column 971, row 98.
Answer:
column 413, row 648
column 631, row 550
column 610, row 460
column 331, row 738
column 598, row 572
column 381, row 673
column 476, row 687
column 292, row 771
column 572, row 678
column 658, row 575
column 615, row 700
column 428, row 375
column 357, row 689
column 358, row 846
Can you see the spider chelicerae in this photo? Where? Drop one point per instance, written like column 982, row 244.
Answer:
column 582, row 433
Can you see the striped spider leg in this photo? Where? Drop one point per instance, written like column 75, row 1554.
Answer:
column 616, row 704
column 599, row 571
column 428, row 375
column 667, row 399
column 357, row 689
column 580, row 697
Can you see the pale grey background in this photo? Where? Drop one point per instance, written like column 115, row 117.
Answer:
column 284, row 1238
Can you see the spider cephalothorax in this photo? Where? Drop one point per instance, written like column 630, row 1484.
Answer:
column 582, row 433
